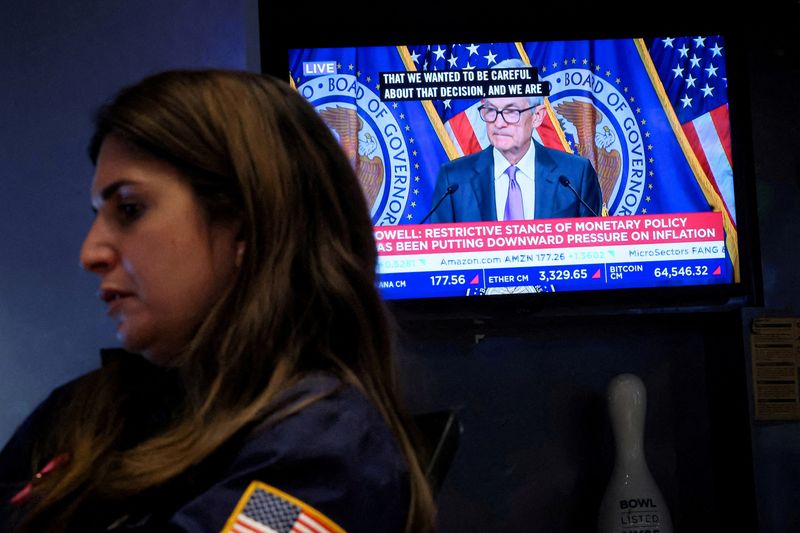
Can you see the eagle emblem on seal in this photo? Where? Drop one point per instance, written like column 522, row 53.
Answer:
column 361, row 148
column 593, row 144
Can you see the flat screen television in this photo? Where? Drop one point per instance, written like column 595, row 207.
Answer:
column 660, row 112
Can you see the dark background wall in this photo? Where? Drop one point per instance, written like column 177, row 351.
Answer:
column 536, row 451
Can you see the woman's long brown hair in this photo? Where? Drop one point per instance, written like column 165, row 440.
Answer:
column 256, row 152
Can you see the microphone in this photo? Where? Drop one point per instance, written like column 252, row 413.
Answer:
column 450, row 190
column 565, row 182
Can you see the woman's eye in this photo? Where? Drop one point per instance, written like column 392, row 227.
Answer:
column 129, row 211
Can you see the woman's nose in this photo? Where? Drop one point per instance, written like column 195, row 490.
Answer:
column 97, row 255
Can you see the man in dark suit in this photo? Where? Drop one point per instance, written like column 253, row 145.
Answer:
column 516, row 177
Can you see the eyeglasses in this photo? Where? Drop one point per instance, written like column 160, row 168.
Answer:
column 510, row 115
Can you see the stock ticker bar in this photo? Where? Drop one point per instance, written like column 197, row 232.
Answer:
column 483, row 258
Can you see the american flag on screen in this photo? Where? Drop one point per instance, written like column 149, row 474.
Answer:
column 692, row 70
column 460, row 117
column 265, row 509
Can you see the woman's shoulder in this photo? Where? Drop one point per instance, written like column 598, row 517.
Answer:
column 339, row 433
column 329, row 414
column 334, row 457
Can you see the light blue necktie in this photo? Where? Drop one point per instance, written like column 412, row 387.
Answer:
column 514, row 210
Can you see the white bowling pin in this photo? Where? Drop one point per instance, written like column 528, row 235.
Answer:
column 633, row 502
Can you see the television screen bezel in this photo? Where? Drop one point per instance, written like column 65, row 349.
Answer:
column 285, row 27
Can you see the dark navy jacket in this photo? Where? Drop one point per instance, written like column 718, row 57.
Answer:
column 336, row 455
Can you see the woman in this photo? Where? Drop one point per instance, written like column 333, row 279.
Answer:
column 235, row 255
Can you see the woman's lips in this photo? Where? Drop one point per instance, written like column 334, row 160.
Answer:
column 113, row 298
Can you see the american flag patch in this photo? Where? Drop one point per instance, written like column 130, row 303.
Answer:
column 265, row 509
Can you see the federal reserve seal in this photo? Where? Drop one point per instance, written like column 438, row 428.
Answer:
column 596, row 116
column 371, row 137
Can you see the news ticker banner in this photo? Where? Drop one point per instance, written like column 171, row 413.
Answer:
column 548, row 255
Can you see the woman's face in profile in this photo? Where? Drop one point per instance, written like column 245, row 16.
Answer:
column 161, row 264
